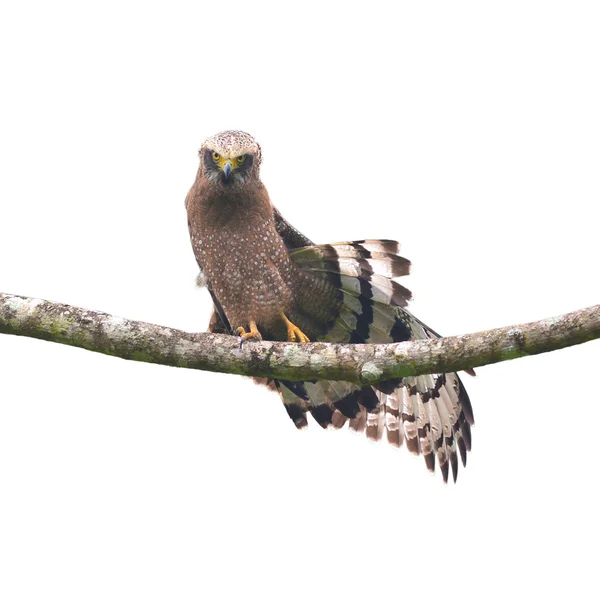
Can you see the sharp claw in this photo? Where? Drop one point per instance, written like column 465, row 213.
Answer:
column 253, row 334
column 295, row 334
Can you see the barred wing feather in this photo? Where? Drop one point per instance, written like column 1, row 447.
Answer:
column 432, row 414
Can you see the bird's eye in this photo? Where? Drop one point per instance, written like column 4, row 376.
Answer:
column 241, row 159
column 216, row 156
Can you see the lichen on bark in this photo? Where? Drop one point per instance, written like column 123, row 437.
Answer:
column 359, row 363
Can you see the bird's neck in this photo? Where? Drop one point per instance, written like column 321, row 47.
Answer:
column 238, row 206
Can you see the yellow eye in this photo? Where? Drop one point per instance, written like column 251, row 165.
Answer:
column 241, row 159
column 216, row 156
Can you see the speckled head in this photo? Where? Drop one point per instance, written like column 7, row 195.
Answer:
column 230, row 158
column 231, row 144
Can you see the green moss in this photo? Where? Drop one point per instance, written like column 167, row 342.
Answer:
column 512, row 353
column 14, row 325
column 55, row 328
column 141, row 356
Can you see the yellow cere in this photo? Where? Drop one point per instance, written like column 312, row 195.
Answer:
column 221, row 160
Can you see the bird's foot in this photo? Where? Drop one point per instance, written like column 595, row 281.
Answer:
column 253, row 334
column 293, row 332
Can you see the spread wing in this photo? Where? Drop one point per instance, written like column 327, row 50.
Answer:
column 432, row 414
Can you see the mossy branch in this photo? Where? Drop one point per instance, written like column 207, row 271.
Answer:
column 365, row 364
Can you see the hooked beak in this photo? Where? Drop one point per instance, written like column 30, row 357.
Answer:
column 227, row 168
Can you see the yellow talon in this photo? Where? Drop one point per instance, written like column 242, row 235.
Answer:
column 293, row 332
column 253, row 334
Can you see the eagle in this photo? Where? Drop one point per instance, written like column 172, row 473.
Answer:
column 268, row 281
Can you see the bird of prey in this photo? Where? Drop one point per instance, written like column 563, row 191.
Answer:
column 270, row 282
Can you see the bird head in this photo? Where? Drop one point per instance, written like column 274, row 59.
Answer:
column 230, row 158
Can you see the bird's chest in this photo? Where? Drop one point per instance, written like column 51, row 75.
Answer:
column 248, row 270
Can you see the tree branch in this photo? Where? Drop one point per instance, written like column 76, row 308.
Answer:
column 360, row 363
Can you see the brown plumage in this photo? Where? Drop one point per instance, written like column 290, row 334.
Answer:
column 237, row 246
column 268, row 281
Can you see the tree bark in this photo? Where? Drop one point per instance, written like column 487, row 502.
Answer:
column 366, row 364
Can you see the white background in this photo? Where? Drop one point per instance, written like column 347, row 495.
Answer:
column 469, row 131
